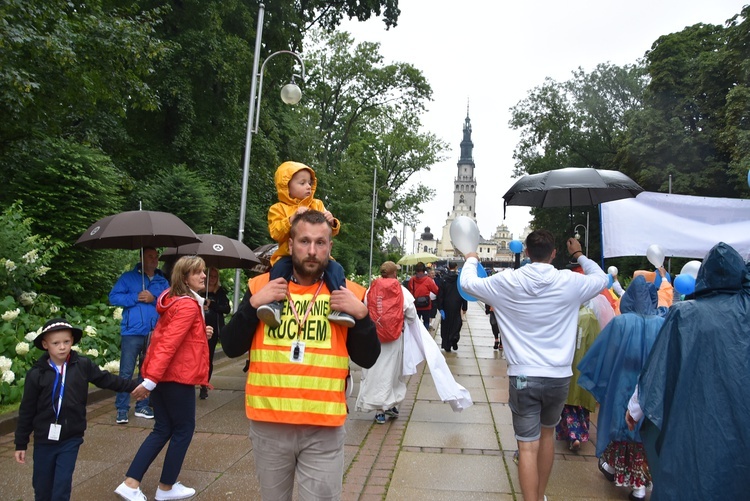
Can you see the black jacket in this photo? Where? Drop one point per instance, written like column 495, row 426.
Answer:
column 36, row 414
column 362, row 342
column 218, row 307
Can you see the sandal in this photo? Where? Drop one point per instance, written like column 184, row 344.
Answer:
column 575, row 445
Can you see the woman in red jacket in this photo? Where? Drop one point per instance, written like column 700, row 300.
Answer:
column 176, row 361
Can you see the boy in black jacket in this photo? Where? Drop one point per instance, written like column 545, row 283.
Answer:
column 54, row 407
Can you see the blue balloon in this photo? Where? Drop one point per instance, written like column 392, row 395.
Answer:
column 684, row 284
column 611, row 281
column 481, row 273
column 516, row 246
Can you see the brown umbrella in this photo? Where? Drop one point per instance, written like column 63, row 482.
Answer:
column 137, row 229
column 217, row 251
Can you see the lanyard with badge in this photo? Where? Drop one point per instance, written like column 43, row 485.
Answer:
column 54, row 428
column 297, row 353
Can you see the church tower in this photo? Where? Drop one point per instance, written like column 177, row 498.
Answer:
column 464, row 190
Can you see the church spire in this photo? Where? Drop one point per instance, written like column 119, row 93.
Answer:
column 467, row 146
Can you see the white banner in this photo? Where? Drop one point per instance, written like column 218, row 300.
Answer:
column 682, row 225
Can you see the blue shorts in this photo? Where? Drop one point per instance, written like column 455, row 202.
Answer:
column 538, row 403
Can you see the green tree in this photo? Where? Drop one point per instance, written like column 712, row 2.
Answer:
column 581, row 122
column 183, row 193
column 79, row 185
column 362, row 114
column 692, row 132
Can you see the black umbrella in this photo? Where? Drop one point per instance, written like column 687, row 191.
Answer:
column 264, row 253
column 571, row 186
column 217, row 251
column 137, row 229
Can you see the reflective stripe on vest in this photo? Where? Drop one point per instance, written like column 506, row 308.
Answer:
column 312, row 392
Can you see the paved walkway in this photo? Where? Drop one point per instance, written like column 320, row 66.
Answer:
column 428, row 453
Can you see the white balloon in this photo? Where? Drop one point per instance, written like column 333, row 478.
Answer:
column 612, row 270
column 655, row 255
column 464, row 234
column 691, row 268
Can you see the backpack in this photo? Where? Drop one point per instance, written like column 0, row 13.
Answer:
column 385, row 302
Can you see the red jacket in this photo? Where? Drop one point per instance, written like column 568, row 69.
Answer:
column 178, row 351
column 422, row 286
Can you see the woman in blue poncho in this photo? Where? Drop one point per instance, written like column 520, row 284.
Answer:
column 694, row 390
column 610, row 370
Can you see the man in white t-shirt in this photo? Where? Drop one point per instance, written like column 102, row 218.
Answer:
column 536, row 307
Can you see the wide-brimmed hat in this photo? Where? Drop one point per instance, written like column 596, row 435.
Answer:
column 57, row 324
column 388, row 268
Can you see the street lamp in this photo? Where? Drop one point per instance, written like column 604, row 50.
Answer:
column 388, row 205
column 290, row 94
column 578, row 235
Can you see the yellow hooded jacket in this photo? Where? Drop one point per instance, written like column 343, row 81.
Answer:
column 279, row 213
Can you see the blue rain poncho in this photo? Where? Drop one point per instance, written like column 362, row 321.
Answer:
column 695, row 388
column 611, row 367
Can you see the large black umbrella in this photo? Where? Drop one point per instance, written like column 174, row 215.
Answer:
column 137, row 229
column 571, row 186
column 217, row 251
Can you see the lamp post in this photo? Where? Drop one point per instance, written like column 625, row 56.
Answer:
column 578, row 235
column 388, row 205
column 290, row 94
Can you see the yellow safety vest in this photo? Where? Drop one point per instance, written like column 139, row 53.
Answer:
column 312, row 392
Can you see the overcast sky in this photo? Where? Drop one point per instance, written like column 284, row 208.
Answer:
column 492, row 53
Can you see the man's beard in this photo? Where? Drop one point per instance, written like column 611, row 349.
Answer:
column 309, row 267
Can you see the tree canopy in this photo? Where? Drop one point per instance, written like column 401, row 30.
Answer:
column 677, row 118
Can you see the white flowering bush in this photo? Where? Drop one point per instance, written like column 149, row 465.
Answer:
column 11, row 315
column 27, row 298
column 24, row 309
column 24, row 256
column 21, row 324
column 22, row 348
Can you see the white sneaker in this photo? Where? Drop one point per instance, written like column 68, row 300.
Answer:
column 129, row 494
column 178, row 491
column 341, row 318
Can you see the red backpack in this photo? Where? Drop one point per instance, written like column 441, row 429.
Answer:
column 385, row 301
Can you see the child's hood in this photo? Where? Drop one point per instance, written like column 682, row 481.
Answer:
column 282, row 177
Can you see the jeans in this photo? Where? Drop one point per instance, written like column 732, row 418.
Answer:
column 53, row 469
column 424, row 315
column 174, row 422
column 132, row 350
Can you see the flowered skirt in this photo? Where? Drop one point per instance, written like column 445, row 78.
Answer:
column 629, row 461
column 574, row 424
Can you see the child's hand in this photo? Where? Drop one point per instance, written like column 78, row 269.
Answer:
column 300, row 210
column 630, row 421
column 329, row 217
column 21, row 457
column 140, row 393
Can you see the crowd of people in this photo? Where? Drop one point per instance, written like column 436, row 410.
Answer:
column 667, row 381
